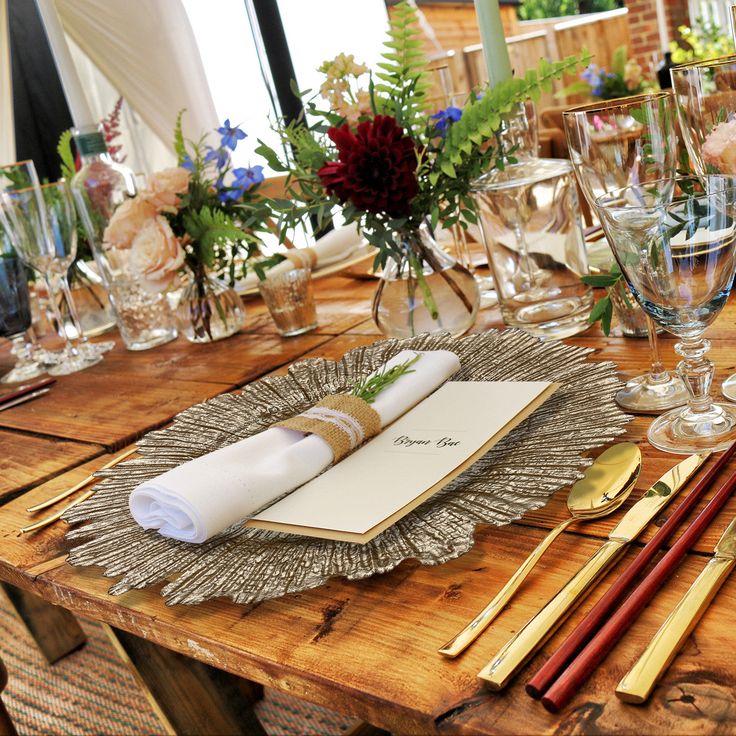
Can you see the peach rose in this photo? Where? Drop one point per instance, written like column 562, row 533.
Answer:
column 164, row 186
column 719, row 148
column 126, row 221
column 156, row 255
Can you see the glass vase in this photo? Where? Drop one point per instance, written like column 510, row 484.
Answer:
column 425, row 290
column 630, row 316
column 209, row 309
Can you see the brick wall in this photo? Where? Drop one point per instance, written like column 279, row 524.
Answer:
column 643, row 26
column 643, row 30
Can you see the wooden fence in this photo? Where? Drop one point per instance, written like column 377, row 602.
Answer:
column 552, row 38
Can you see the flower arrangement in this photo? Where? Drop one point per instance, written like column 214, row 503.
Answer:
column 384, row 155
column 200, row 217
column 624, row 78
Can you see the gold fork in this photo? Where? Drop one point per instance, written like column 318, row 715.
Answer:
column 64, row 494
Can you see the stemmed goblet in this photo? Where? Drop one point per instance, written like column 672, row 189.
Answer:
column 629, row 141
column 677, row 251
column 41, row 223
column 705, row 97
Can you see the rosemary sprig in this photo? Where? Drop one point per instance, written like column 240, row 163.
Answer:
column 373, row 385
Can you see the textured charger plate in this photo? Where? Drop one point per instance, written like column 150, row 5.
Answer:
column 540, row 456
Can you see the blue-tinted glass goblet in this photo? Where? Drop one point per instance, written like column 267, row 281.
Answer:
column 677, row 251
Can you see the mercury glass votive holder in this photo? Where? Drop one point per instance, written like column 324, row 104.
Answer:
column 290, row 300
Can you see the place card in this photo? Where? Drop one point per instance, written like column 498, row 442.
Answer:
column 407, row 462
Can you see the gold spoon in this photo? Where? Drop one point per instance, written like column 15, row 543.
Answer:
column 606, row 484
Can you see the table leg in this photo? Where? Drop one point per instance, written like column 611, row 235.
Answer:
column 54, row 629
column 189, row 696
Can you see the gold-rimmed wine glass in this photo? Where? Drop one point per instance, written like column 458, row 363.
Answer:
column 614, row 144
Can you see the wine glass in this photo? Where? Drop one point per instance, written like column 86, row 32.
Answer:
column 705, row 97
column 41, row 222
column 614, row 144
column 22, row 175
column 15, row 314
column 677, row 251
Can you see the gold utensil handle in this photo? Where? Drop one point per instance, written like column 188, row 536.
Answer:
column 55, row 517
column 476, row 627
column 520, row 648
column 82, row 483
column 638, row 683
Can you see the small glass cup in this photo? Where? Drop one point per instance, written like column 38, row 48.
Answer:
column 290, row 300
column 531, row 227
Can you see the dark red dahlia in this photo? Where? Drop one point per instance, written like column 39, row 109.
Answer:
column 376, row 167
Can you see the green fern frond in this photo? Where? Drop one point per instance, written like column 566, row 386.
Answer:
column 481, row 120
column 209, row 228
column 403, row 84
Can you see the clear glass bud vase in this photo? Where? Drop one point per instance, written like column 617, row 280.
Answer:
column 209, row 309
column 425, row 290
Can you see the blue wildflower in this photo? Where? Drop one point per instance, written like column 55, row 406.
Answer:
column 247, row 178
column 221, row 156
column 187, row 163
column 230, row 135
column 445, row 118
column 243, row 181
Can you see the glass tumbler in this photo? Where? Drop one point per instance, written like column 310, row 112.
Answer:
column 290, row 300
column 532, row 230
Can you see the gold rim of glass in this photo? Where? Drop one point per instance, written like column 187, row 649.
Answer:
column 17, row 163
column 619, row 102
column 705, row 63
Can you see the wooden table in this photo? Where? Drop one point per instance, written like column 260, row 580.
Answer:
column 363, row 648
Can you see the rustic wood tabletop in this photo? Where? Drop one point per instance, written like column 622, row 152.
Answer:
column 365, row 648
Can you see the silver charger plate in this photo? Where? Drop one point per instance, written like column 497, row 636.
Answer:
column 543, row 454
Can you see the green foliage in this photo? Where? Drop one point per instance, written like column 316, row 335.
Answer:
column 603, row 308
column 369, row 388
column 404, row 84
column 179, row 144
column 64, row 149
column 705, row 40
column 536, row 9
column 211, row 227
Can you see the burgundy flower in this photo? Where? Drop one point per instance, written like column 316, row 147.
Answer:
column 376, row 167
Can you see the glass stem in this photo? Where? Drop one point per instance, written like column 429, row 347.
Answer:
column 72, row 307
column 56, row 312
column 657, row 372
column 22, row 349
column 696, row 371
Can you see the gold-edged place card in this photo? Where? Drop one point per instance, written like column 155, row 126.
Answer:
column 408, row 462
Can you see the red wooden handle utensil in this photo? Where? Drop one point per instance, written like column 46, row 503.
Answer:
column 600, row 613
column 27, row 388
column 581, row 668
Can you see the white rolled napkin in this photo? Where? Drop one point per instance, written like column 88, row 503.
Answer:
column 335, row 246
column 200, row 498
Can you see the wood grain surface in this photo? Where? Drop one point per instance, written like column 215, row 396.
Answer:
column 367, row 648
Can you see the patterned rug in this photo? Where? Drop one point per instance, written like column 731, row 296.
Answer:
column 92, row 692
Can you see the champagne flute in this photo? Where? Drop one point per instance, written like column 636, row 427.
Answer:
column 41, row 222
column 614, row 144
column 705, row 99
column 677, row 251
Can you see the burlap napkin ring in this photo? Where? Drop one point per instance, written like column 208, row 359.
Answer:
column 302, row 258
column 341, row 420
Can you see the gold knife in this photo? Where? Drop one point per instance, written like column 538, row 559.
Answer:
column 521, row 647
column 639, row 681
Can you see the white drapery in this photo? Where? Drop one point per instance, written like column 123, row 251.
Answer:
column 7, row 132
column 147, row 51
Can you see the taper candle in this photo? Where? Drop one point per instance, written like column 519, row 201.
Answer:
column 495, row 50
